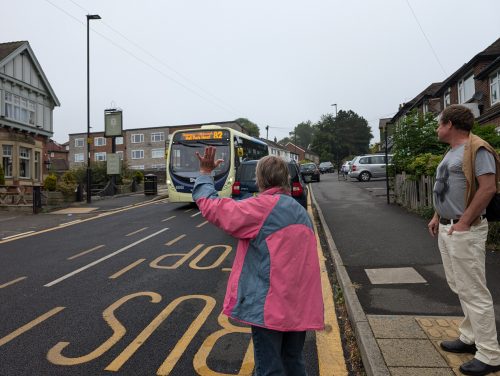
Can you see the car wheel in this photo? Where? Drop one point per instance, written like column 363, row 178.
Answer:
column 364, row 176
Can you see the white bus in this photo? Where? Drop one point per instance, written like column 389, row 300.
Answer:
column 183, row 165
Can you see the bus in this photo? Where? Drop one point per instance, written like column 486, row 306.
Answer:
column 183, row 165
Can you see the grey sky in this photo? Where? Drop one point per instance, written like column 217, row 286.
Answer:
column 276, row 63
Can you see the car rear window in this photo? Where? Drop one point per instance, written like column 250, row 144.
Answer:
column 247, row 172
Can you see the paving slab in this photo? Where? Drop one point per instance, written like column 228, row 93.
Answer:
column 395, row 327
column 410, row 353
column 407, row 371
column 383, row 276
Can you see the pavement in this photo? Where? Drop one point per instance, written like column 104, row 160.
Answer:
column 397, row 345
column 391, row 344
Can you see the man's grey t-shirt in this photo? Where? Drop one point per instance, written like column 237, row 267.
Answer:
column 450, row 186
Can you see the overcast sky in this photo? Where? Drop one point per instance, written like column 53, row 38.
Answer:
column 275, row 62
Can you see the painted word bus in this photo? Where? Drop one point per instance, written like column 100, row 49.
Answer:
column 183, row 165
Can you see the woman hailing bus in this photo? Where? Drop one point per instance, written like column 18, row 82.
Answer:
column 275, row 284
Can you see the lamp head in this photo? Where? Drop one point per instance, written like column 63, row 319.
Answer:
column 93, row 17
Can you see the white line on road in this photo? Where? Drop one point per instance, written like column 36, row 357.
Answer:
column 50, row 284
column 167, row 219
column 195, row 214
column 137, row 231
column 16, row 235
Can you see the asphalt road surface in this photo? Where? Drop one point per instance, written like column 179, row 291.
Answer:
column 136, row 292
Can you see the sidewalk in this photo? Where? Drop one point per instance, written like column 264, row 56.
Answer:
column 398, row 345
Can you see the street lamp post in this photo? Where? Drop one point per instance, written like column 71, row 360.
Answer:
column 89, row 170
column 336, row 136
column 335, row 104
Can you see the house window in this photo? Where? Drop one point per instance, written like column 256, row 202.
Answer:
column 158, row 153
column 158, row 166
column 7, row 160
column 120, row 155
column 137, row 154
column 138, row 167
column 79, row 157
column 465, row 89
column 495, row 88
column 100, row 157
column 447, row 98
column 24, row 162
column 157, row 137
column 137, row 138
column 37, row 165
column 99, row 141
column 79, row 142
column 119, row 141
column 19, row 108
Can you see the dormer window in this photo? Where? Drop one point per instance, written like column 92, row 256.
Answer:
column 465, row 89
column 495, row 88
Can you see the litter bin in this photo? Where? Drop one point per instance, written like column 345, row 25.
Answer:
column 150, row 184
column 37, row 199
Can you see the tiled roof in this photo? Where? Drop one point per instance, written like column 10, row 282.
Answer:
column 488, row 69
column 429, row 91
column 7, row 48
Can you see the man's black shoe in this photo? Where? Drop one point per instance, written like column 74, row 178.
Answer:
column 475, row 367
column 458, row 346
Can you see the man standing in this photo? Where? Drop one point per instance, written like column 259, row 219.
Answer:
column 466, row 180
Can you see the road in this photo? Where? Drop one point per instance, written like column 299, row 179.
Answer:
column 136, row 291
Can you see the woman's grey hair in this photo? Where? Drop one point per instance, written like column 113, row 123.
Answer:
column 272, row 172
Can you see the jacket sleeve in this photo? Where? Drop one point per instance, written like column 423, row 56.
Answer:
column 241, row 219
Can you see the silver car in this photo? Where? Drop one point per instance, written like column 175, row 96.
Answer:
column 365, row 167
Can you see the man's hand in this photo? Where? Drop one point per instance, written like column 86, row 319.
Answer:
column 208, row 162
column 433, row 225
column 458, row 227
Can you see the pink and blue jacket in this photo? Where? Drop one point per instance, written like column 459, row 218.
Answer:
column 275, row 279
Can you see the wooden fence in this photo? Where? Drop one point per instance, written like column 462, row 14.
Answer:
column 412, row 192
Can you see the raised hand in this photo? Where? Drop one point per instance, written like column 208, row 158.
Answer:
column 207, row 161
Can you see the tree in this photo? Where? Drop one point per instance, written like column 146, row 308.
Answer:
column 251, row 128
column 302, row 134
column 335, row 138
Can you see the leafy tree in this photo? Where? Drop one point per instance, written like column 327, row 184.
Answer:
column 251, row 128
column 285, row 141
column 302, row 134
column 336, row 138
column 487, row 133
column 414, row 136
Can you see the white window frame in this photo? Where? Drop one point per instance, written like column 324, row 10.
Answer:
column 7, row 160
column 463, row 95
column 99, row 141
column 37, row 166
column 135, row 152
column 158, row 137
column 447, row 98
column 159, row 166
column 137, row 167
column 25, row 159
column 79, row 158
column 495, row 87
column 137, row 138
column 79, row 142
column 120, row 155
column 19, row 109
column 100, row 156
column 160, row 153
column 119, row 140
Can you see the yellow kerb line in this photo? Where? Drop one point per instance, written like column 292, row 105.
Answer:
column 28, row 326
column 331, row 360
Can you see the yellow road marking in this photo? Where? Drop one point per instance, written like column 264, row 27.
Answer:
column 12, row 282
column 194, row 263
column 28, row 326
column 176, row 239
column 137, row 231
column 85, row 252
column 226, row 269
column 55, row 353
column 31, row 233
column 176, row 353
column 182, row 260
column 202, row 224
column 127, row 268
column 168, row 219
column 331, row 360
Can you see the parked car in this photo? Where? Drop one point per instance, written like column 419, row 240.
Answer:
column 309, row 172
column 365, row 167
column 325, row 167
column 245, row 185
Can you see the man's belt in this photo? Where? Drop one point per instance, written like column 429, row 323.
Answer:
column 446, row 221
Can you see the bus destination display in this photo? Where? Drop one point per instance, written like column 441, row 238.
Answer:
column 203, row 135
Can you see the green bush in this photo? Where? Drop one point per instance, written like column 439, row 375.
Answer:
column 50, row 183
column 138, row 176
column 424, row 164
column 493, row 241
column 68, row 183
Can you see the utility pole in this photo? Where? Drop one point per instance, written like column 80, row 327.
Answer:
column 267, row 132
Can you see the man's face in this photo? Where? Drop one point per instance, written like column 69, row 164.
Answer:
column 443, row 130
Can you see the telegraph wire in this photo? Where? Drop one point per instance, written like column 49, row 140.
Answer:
column 143, row 61
column 427, row 39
